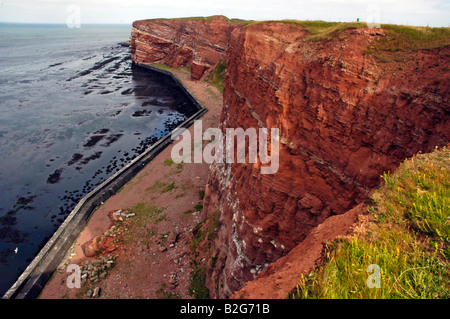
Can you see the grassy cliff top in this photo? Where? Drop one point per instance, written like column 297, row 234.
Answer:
column 406, row 234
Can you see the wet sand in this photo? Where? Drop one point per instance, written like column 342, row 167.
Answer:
column 152, row 247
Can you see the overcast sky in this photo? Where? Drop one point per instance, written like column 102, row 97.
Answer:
column 411, row 12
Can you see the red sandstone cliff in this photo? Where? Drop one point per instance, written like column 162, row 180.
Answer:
column 344, row 119
column 201, row 43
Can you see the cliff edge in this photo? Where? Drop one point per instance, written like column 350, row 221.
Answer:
column 350, row 103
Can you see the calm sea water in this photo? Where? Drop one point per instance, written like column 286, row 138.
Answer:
column 73, row 111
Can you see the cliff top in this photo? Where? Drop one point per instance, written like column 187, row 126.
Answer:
column 397, row 37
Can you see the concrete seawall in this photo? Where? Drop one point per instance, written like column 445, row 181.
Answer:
column 33, row 279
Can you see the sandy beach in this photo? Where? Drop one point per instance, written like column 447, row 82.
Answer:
column 151, row 249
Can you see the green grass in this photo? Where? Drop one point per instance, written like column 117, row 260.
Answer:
column 407, row 236
column 401, row 38
column 157, row 186
column 161, row 187
column 201, row 247
column 197, row 288
column 162, row 66
column 216, row 76
column 168, row 162
column 147, row 214
column 168, row 188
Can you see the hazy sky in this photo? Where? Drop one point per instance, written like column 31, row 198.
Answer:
column 412, row 12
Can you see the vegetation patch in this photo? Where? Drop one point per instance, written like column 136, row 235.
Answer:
column 162, row 66
column 201, row 247
column 147, row 214
column 168, row 188
column 216, row 76
column 161, row 187
column 168, row 162
column 406, row 236
column 197, row 287
column 404, row 38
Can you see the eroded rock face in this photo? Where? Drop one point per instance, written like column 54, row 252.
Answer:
column 344, row 119
column 177, row 43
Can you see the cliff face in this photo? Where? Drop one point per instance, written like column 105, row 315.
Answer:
column 200, row 43
column 344, row 119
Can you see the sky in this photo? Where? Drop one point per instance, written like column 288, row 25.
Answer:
column 434, row 13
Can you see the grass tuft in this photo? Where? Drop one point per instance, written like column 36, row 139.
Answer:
column 168, row 188
column 168, row 162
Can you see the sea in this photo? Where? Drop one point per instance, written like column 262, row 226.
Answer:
column 73, row 111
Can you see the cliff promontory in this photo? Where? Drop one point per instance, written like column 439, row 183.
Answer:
column 350, row 103
column 200, row 43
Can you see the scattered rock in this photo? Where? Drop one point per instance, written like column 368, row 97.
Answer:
column 173, row 281
column 96, row 245
column 96, row 293
column 96, row 270
column 162, row 248
column 119, row 214
column 173, row 236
